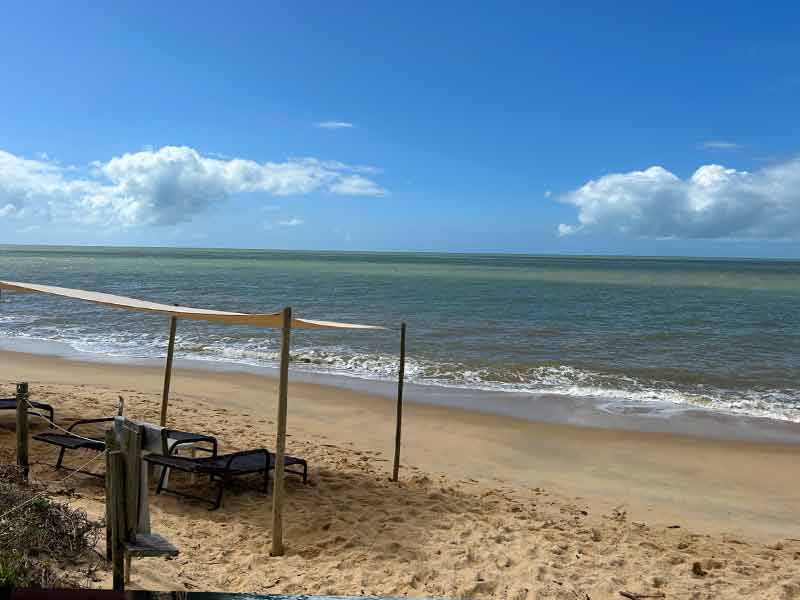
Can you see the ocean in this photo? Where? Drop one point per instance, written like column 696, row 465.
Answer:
column 720, row 334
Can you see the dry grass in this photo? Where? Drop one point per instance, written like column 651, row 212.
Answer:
column 40, row 537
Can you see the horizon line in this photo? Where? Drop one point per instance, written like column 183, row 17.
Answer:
column 446, row 252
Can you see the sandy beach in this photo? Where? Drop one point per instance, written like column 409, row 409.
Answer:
column 487, row 506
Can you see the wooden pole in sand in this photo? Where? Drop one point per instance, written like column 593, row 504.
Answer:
column 22, row 429
column 115, row 509
column 400, row 377
column 280, row 443
column 173, row 324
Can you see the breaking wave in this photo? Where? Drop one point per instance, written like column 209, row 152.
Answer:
column 553, row 379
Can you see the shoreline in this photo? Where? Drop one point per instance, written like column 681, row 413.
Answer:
column 584, row 411
column 710, row 485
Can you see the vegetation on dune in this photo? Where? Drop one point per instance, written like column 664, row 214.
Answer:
column 40, row 538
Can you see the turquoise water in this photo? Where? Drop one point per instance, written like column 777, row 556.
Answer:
column 723, row 334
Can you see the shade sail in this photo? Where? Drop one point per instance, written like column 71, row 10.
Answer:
column 181, row 312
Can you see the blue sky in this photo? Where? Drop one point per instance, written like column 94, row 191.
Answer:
column 628, row 128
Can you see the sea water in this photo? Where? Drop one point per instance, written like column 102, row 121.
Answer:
column 722, row 334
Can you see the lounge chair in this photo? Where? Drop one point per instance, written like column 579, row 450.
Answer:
column 72, row 442
column 65, row 441
column 220, row 467
column 11, row 404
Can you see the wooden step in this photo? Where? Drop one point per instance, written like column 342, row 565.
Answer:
column 150, row 544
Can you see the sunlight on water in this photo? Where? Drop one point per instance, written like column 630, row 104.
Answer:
column 714, row 333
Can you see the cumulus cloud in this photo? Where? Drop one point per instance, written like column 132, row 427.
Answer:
column 162, row 187
column 356, row 185
column 720, row 145
column 714, row 203
column 335, row 125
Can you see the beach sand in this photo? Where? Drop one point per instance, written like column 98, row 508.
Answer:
column 487, row 506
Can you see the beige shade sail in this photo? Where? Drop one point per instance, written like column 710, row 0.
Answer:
column 180, row 312
column 231, row 318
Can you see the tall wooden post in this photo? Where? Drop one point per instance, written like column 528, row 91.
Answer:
column 111, row 446
column 280, row 443
column 22, row 429
column 400, row 377
column 115, row 509
column 131, row 449
column 173, row 324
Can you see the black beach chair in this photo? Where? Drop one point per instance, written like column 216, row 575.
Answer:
column 11, row 404
column 220, row 467
column 68, row 440
column 73, row 442
column 65, row 441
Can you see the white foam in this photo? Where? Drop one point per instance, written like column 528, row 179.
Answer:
column 565, row 380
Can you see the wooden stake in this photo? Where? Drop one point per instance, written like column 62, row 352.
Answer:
column 400, row 377
column 22, row 429
column 131, row 449
column 280, row 443
column 115, row 509
column 111, row 446
column 131, row 452
column 173, row 324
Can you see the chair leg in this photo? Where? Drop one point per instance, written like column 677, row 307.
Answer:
column 161, row 477
column 127, row 568
column 305, row 472
column 265, row 489
column 60, row 458
column 52, row 418
column 222, row 481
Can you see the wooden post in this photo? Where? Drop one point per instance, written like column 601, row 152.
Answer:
column 115, row 510
column 111, row 445
column 400, row 377
column 173, row 324
column 22, row 429
column 280, row 443
column 131, row 451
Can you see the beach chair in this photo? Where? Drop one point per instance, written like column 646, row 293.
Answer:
column 70, row 440
column 11, row 404
column 221, row 468
column 66, row 441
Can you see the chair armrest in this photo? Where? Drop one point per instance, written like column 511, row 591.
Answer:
column 235, row 455
column 87, row 421
column 186, row 438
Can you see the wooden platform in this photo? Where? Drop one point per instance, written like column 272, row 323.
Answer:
column 150, row 544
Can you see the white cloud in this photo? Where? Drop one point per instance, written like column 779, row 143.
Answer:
column 291, row 222
column 335, row 125
column 714, row 203
column 162, row 187
column 356, row 185
column 720, row 145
